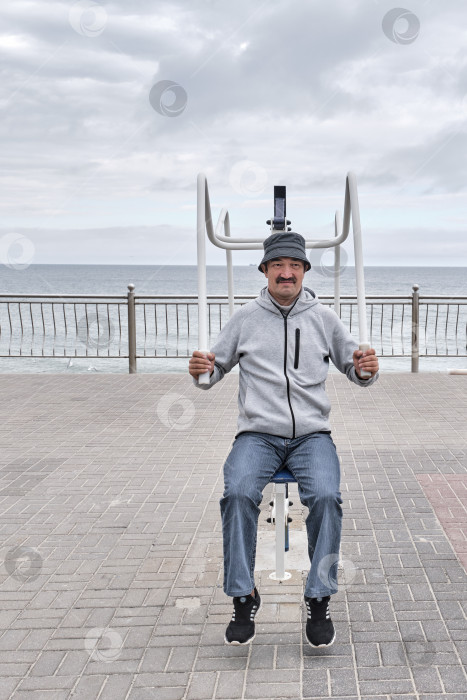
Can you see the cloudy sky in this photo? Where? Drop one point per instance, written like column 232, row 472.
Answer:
column 110, row 110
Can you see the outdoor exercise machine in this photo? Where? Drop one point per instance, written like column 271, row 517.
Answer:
column 279, row 515
column 221, row 238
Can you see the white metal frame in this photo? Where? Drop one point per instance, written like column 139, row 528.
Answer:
column 205, row 226
column 280, row 518
column 224, row 240
column 279, row 515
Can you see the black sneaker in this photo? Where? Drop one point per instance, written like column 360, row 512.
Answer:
column 319, row 628
column 241, row 628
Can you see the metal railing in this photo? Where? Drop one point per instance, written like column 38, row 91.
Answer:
column 154, row 326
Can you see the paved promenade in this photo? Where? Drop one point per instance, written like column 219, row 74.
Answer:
column 111, row 577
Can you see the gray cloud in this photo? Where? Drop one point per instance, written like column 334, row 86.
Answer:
column 306, row 91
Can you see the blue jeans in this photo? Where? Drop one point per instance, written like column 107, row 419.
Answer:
column 252, row 462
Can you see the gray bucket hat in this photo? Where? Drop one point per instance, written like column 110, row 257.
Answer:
column 286, row 244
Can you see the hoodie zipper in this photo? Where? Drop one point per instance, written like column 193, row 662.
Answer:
column 297, row 348
column 287, row 379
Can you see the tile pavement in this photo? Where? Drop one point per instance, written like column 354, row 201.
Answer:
column 447, row 494
column 111, row 578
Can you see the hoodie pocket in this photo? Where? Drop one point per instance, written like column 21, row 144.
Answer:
column 297, row 348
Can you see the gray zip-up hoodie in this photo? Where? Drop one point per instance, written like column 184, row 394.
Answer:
column 284, row 362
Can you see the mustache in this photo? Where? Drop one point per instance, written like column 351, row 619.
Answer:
column 285, row 279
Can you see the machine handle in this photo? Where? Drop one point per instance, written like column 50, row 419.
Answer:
column 204, row 378
column 364, row 346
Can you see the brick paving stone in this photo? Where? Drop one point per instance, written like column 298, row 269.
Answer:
column 47, row 683
column 223, row 651
column 230, row 684
column 88, row 687
column 171, row 693
column 383, row 673
column 19, row 656
column 272, row 676
column 116, row 688
column 214, row 663
column 263, row 656
column 73, row 663
column 427, row 679
column 343, row 681
column 162, row 680
column 7, row 687
column 47, row 663
column 445, row 696
column 201, row 685
column 108, row 499
column 271, row 690
column 316, row 683
column 34, row 695
column 453, row 678
column 367, row 654
column 288, row 656
column 386, row 686
column 447, row 494
column 11, row 639
column 182, row 659
column 326, row 660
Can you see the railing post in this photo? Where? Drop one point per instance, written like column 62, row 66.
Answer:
column 415, row 327
column 131, row 329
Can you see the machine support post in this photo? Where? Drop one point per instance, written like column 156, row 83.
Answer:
column 202, row 286
column 359, row 272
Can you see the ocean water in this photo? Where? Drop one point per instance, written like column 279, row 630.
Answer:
column 173, row 280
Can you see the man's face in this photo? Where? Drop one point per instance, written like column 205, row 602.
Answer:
column 285, row 277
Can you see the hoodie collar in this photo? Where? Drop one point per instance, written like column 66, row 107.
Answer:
column 305, row 300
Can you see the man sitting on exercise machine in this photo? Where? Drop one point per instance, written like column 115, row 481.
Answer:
column 282, row 341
